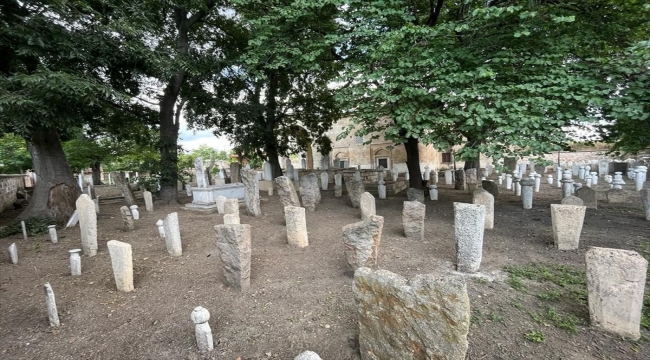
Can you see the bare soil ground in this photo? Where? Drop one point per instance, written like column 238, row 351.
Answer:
column 301, row 299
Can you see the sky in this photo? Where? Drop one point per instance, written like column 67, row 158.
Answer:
column 192, row 139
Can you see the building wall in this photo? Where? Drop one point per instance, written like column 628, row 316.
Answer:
column 9, row 186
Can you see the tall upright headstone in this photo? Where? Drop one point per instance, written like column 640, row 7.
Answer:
column 645, row 200
column 588, row 196
column 367, row 205
column 361, row 242
column 148, row 200
column 355, row 189
column 122, row 262
column 567, row 224
column 200, row 173
column 324, row 180
column 296, row 226
column 235, row 167
column 173, row 235
column 460, row 180
column 286, row 192
column 87, row 224
column 234, row 244
column 251, row 192
column 127, row 217
column 469, row 225
column 483, row 197
column 50, row 302
column 413, row 215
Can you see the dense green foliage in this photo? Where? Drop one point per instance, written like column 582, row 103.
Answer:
column 14, row 157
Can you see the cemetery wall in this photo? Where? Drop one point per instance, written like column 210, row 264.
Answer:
column 9, row 186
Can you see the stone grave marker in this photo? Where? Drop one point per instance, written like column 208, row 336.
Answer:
column 645, row 200
column 296, row 226
column 286, row 192
column 572, row 200
column 234, row 244
column 202, row 331
column 367, row 205
column 483, row 197
column 122, row 262
column 231, row 206
column 148, row 200
column 50, row 302
column 413, row 219
column 588, row 196
column 173, row 235
column 13, row 253
column 87, row 224
column 251, row 192
column 469, row 224
column 75, row 262
column 231, row 219
column 567, row 223
column 355, row 189
column 491, row 187
column 361, row 242
column 127, row 218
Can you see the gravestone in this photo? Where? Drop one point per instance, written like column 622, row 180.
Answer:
column 148, row 200
column 471, row 178
column 616, row 196
column 567, row 223
column 200, row 173
column 286, row 192
column 413, row 194
column 324, row 180
column 173, row 235
column 460, row 184
column 13, row 253
column 252, row 192
column 413, row 219
column 588, row 196
column 235, row 168
column 87, row 224
column 310, row 191
column 469, row 224
column 221, row 203
column 361, row 242
column 527, row 193
column 448, row 177
column 615, row 284
column 75, row 262
column 367, row 205
column 122, row 262
column 127, row 218
column 234, row 244
column 231, row 219
column 482, row 197
column 161, row 228
column 491, row 187
column 231, row 206
column 202, row 331
column 645, row 200
column 572, row 200
column 134, row 212
column 50, row 302
column 426, row 317
column 355, row 189
column 338, row 184
column 54, row 238
column 296, row 226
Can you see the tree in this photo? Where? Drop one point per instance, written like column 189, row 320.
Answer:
column 274, row 97
column 499, row 77
column 14, row 157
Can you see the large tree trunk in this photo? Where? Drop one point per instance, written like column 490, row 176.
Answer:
column 473, row 163
column 413, row 162
column 272, row 153
column 310, row 157
column 270, row 141
column 97, row 173
column 168, row 150
column 56, row 190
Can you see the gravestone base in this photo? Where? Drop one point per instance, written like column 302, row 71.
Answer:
column 204, row 199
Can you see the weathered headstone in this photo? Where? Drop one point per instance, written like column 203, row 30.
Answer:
column 469, row 224
column 324, row 180
column 235, row 167
column 173, row 235
column 87, row 224
column 361, row 242
column 51, row 229
column 148, row 200
column 413, row 194
column 13, row 253
column 433, row 192
column 491, row 187
column 460, row 180
column 482, row 197
column 567, row 223
column 202, row 331
column 234, row 244
column 338, row 184
column 286, row 192
column 296, row 226
column 231, row 219
column 127, row 218
column 426, row 317
column 645, row 200
column 448, row 179
column 231, row 206
column 134, row 212
column 413, row 219
column 50, row 302
column 616, row 196
column 75, row 262
column 615, row 284
column 221, row 202
column 355, row 189
column 527, row 193
column 471, row 179
column 74, row 218
column 252, row 192
column 122, row 262
column 588, row 196
column 572, row 200
column 310, row 191
column 367, row 205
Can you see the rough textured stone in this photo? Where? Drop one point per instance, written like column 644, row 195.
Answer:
column 645, row 199
column 413, row 219
column 469, row 223
column 427, row 317
column 572, row 200
column 616, row 196
column 13, row 253
column 338, row 190
column 324, row 180
column 173, row 235
column 355, row 189
column 202, row 331
column 460, row 183
column 527, row 193
column 235, row 167
column 221, row 203
column 413, row 194
column 588, row 196
column 127, row 217
column 471, row 177
column 361, row 242
column 567, row 224
column 252, row 192
column 615, row 283
column 296, row 226
column 482, row 197
column 308, row 355
column 231, row 219
column 310, row 191
column 87, row 224
column 491, row 187
column 286, row 192
column 148, row 200
column 231, row 206
column 122, row 261
column 367, row 205
column 234, row 244
column 50, row 301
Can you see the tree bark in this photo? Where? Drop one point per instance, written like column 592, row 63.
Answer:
column 270, row 141
column 56, row 190
column 473, row 163
column 97, row 173
column 413, row 162
column 310, row 157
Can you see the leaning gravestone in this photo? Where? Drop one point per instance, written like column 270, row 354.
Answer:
column 361, row 242
column 87, row 224
column 367, row 205
column 567, row 224
column 286, row 192
column 413, row 219
column 173, row 235
column 482, row 197
column 50, row 302
column 588, row 196
column 252, row 192
column 234, row 244
column 426, row 317
column 355, row 189
column 645, row 199
column 572, row 200
column 469, row 223
column 413, row 194
column 491, row 187
column 127, row 218
column 615, row 283
column 122, row 262
column 296, row 226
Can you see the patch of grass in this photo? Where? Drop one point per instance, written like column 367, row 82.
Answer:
column 517, row 304
column 551, row 295
column 553, row 317
column 37, row 246
column 34, row 226
column 481, row 280
column 515, row 282
column 495, row 317
column 645, row 316
column 477, row 317
column 536, row 336
column 560, row 275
